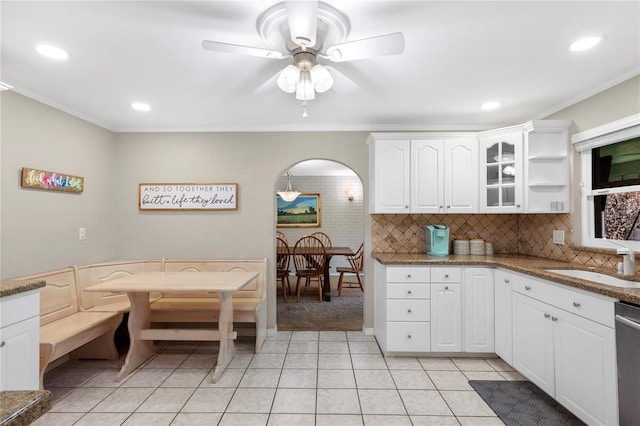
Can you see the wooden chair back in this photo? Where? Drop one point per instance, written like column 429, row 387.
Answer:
column 282, row 255
column 282, row 237
column 309, row 256
column 326, row 240
column 357, row 260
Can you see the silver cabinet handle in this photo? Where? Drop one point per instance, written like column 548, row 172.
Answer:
column 528, row 288
column 446, row 288
column 547, row 315
column 449, row 206
column 506, row 281
column 518, row 205
column 440, row 207
column 576, row 305
column 408, row 336
column 446, row 275
column 2, row 344
column 554, row 319
column 408, row 311
column 408, row 291
column 409, row 276
column 406, row 207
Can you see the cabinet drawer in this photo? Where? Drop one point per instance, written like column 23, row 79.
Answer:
column 408, row 291
column 572, row 300
column 409, row 274
column 408, row 337
column 19, row 307
column 446, row 275
column 408, row 310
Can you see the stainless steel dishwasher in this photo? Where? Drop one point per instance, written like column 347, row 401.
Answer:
column 628, row 350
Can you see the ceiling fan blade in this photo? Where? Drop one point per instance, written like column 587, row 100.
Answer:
column 216, row 46
column 303, row 21
column 388, row 44
column 269, row 85
column 341, row 83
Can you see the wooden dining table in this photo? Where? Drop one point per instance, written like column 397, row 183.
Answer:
column 330, row 252
column 139, row 286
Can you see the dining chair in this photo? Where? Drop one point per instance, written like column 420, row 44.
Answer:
column 283, row 254
column 309, row 256
column 326, row 240
column 282, row 236
column 356, row 263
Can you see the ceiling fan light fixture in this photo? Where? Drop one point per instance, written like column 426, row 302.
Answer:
column 305, row 90
column 289, row 78
column 321, row 78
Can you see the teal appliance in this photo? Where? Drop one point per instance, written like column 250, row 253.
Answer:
column 437, row 240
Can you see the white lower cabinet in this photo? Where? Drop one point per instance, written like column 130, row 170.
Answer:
column 478, row 310
column 19, row 341
column 567, row 354
column 446, row 318
column 503, row 331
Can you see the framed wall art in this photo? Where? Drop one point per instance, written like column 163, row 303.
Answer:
column 303, row 212
column 188, row 196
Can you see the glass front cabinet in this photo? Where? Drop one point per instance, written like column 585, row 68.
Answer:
column 501, row 173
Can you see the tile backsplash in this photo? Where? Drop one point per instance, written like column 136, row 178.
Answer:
column 529, row 234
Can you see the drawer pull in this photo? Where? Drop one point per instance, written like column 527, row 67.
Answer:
column 408, row 311
column 408, row 276
column 554, row 319
column 408, row 336
column 547, row 315
column 506, row 281
column 528, row 288
column 446, row 275
column 2, row 344
column 576, row 305
column 408, row 291
column 446, row 288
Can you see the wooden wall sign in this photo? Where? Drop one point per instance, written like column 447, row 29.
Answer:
column 42, row 179
column 188, row 196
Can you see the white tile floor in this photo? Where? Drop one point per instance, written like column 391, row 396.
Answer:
column 299, row 378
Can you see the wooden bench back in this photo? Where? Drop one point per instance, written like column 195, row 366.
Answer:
column 254, row 289
column 97, row 273
column 58, row 298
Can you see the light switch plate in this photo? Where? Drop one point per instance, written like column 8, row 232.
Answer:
column 82, row 234
column 558, row 237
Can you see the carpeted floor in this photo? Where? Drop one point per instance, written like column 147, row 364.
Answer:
column 523, row 404
column 342, row 313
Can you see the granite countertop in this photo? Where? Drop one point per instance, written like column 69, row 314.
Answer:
column 18, row 408
column 10, row 287
column 531, row 265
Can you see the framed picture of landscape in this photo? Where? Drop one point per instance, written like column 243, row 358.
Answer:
column 303, row 212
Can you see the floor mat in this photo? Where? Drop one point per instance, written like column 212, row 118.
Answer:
column 520, row 403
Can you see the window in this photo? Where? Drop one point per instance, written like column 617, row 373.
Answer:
column 610, row 158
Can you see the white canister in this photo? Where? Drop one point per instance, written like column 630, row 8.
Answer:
column 488, row 249
column 461, row 247
column 476, row 247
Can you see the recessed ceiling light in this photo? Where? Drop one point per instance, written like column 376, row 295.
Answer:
column 489, row 105
column 140, row 106
column 52, row 52
column 584, row 43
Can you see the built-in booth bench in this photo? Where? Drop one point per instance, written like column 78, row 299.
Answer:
column 82, row 324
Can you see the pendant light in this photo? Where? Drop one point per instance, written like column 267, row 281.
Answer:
column 289, row 194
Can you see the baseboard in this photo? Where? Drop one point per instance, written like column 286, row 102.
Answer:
column 368, row 331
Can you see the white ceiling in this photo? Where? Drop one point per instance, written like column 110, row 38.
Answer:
column 457, row 55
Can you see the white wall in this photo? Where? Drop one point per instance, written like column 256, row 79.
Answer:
column 39, row 229
column 255, row 161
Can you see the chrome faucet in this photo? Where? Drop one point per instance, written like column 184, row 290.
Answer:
column 628, row 261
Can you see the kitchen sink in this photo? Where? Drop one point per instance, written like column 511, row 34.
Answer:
column 596, row 277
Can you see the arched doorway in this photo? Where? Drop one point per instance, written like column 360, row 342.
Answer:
column 339, row 191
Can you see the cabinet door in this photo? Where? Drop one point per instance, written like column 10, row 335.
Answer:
column 503, row 319
column 501, row 174
column 19, row 355
column 391, row 176
column 585, row 368
column 461, row 176
column 446, row 318
column 533, row 341
column 427, row 176
column 478, row 309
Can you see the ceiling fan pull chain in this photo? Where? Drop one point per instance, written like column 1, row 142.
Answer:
column 304, row 109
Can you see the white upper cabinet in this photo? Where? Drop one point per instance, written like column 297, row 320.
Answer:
column 389, row 176
column 501, row 172
column 429, row 175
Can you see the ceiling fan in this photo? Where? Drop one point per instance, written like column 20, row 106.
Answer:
column 306, row 31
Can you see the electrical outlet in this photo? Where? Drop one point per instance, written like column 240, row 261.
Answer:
column 82, row 234
column 558, row 237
